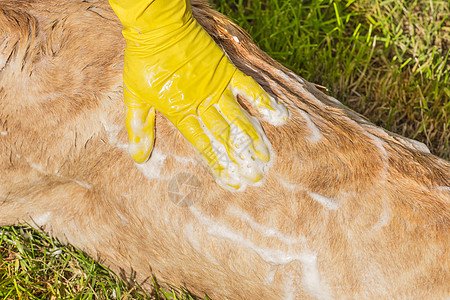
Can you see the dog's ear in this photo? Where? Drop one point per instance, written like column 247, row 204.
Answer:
column 18, row 32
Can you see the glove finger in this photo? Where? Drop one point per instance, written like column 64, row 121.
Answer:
column 247, row 132
column 273, row 111
column 225, row 171
column 140, row 124
column 238, row 144
column 219, row 128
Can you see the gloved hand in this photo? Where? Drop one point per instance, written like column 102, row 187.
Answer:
column 173, row 65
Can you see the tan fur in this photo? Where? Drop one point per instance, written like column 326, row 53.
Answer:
column 348, row 210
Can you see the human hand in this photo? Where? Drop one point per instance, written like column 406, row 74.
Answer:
column 172, row 65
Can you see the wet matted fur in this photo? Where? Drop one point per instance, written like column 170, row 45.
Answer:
column 348, row 210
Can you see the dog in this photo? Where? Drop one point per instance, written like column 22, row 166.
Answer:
column 347, row 210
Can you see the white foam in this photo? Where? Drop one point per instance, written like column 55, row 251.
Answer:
column 83, row 184
column 248, row 166
column 271, row 256
column 21, row 200
column 123, row 218
column 286, row 78
column 378, row 143
column 41, row 170
column 4, row 132
column 311, row 279
column 276, row 116
column 37, row 168
column 189, row 232
column 383, row 153
column 334, row 100
column 231, row 177
column 152, row 168
column 32, row 165
column 185, row 160
column 384, row 219
column 444, row 188
column 253, row 69
column 269, row 279
column 137, row 147
column 297, row 77
column 3, row 58
column 137, row 126
column 194, row 240
column 418, row 145
column 113, row 134
column 264, row 230
column 315, row 134
column 288, row 185
column 279, row 93
column 290, row 287
column 326, row 202
column 235, row 38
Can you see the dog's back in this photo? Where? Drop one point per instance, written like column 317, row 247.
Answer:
column 347, row 209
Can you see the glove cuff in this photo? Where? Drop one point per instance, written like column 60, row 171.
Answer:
column 143, row 16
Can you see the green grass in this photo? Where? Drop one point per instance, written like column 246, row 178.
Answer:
column 388, row 60
column 33, row 266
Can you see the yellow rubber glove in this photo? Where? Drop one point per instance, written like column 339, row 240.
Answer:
column 173, row 65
